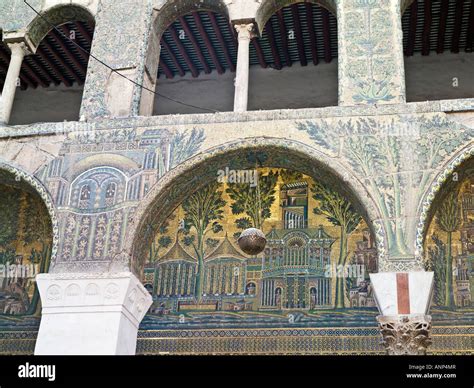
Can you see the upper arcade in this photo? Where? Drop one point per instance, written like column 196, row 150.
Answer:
column 182, row 57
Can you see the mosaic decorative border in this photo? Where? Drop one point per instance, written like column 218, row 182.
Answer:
column 455, row 340
column 313, row 341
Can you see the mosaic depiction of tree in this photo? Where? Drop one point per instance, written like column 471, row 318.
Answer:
column 195, row 263
column 450, row 247
column 25, row 249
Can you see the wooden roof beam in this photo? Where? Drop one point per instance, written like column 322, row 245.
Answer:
column 67, row 32
column 273, row 46
column 425, row 38
column 209, row 46
column 284, row 38
column 48, row 74
column 312, row 33
column 470, row 31
column 182, row 51
column 169, row 74
column 32, row 74
column 84, row 32
column 442, row 25
column 195, row 44
column 412, row 31
column 26, row 81
column 56, row 37
column 220, row 37
column 166, row 46
column 260, row 56
column 61, row 61
column 326, row 35
column 299, row 35
column 57, row 71
column 457, row 26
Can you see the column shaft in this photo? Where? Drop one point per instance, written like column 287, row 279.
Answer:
column 244, row 32
column 11, row 82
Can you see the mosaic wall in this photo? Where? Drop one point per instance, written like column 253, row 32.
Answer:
column 102, row 176
column 209, row 297
column 449, row 250
column 316, row 262
column 25, row 250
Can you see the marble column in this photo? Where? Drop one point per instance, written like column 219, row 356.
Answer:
column 12, row 80
column 90, row 313
column 244, row 32
column 371, row 63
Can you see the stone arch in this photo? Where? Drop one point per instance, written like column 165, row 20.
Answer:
column 194, row 173
column 21, row 178
column 57, row 15
column 173, row 9
column 437, row 191
column 404, row 4
column 161, row 19
column 269, row 7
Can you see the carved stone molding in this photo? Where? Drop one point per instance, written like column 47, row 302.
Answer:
column 405, row 334
column 245, row 31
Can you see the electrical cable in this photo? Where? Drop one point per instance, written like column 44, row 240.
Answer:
column 110, row 68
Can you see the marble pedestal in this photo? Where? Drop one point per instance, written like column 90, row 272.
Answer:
column 90, row 313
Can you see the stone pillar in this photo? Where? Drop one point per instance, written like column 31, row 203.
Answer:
column 403, row 299
column 12, row 80
column 90, row 313
column 120, row 40
column 371, row 63
column 244, row 32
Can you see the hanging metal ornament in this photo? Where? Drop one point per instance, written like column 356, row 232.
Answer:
column 252, row 240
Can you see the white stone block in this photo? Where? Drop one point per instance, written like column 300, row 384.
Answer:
column 90, row 313
column 420, row 286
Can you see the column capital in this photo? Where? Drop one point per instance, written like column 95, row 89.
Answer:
column 406, row 334
column 245, row 31
column 19, row 48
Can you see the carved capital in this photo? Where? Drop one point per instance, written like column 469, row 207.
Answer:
column 244, row 31
column 19, row 49
column 405, row 334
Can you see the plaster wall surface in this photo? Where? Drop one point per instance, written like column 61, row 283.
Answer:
column 52, row 104
column 437, row 77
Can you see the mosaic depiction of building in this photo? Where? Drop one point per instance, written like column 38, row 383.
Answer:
column 311, row 235
column 450, row 248
column 368, row 183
